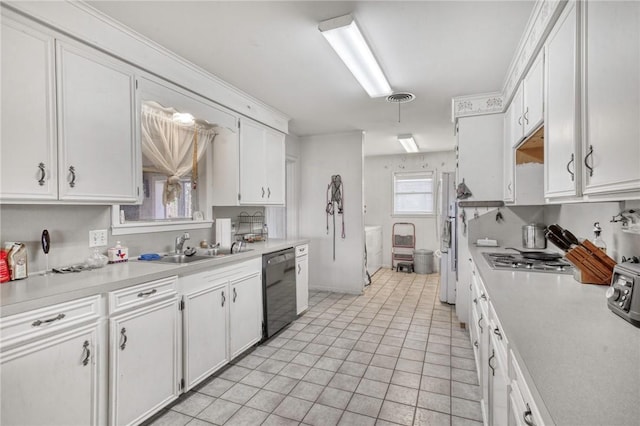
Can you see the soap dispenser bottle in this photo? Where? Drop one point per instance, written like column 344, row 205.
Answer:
column 597, row 239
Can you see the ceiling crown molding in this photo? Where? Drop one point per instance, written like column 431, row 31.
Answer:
column 544, row 15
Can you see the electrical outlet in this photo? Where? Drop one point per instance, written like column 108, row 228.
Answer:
column 98, row 238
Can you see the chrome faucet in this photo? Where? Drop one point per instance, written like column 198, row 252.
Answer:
column 240, row 245
column 180, row 242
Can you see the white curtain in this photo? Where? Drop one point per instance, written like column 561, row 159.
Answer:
column 174, row 148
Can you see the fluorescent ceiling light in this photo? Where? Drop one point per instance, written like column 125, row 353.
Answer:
column 408, row 143
column 345, row 37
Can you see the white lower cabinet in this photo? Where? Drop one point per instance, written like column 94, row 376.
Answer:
column 245, row 313
column 505, row 396
column 302, row 278
column 222, row 317
column 50, row 366
column 205, row 332
column 144, row 351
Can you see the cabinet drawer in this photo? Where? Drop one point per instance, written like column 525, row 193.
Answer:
column 18, row 328
column 143, row 294
column 302, row 250
column 530, row 409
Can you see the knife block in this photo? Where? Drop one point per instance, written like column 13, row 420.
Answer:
column 593, row 266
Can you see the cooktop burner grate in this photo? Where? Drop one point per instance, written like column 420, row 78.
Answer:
column 510, row 261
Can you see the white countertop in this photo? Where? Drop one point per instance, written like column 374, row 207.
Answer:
column 582, row 360
column 38, row 290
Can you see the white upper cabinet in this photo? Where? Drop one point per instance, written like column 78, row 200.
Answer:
column 533, row 96
column 28, row 164
column 517, row 112
column 262, row 164
column 561, row 159
column 98, row 157
column 480, row 155
column 509, row 161
column 68, row 120
column 611, row 95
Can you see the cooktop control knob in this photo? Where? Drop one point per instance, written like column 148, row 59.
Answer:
column 613, row 294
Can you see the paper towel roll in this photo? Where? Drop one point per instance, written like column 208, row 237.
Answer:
column 223, row 232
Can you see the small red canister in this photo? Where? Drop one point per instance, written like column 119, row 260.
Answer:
column 4, row 267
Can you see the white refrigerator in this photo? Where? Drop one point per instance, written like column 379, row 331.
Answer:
column 448, row 260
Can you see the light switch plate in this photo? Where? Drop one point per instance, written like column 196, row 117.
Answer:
column 98, row 238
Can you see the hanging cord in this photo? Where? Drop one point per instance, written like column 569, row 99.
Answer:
column 335, row 200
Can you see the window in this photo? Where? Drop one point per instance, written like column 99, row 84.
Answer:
column 152, row 207
column 413, row 193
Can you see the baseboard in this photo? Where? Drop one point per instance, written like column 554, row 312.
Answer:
column 334, row 290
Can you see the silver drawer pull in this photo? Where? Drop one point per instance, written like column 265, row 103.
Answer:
column 43, row 174
column 147, row 293
column 123, row 338
column 38, row 323
column 85, row 350
column 72, row 170
column 527, row 417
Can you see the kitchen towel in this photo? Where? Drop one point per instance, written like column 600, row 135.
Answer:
column 223, row 232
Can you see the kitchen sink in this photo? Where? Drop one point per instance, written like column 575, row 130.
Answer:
column 183, row 258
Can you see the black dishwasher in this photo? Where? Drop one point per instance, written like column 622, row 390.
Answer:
column 279, row 290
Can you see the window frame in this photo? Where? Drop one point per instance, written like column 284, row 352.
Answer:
column 426, row 174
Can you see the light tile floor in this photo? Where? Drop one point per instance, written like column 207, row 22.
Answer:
column 394, row 355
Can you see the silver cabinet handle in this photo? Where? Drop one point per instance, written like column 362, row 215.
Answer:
column 520, row 120
column 479, row 325
column 72, row 182
column 509, row 186
column 475, row 343
column 493, row 370
column 299, row 268
column 589, row 154
column 43, row 174
column 475, row 300
column 483, row 296
column 85, row 350
column 224, row 299
column 147, row 293
column 235, row 295
column 263, row 192
column 124, row 338
column 569, row 170
column 38, row 323
column 525, row 115
column 268, row 192
column 496, row 331
column 526, row 416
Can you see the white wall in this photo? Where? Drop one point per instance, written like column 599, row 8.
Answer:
column 320, row 158
column 378, row 195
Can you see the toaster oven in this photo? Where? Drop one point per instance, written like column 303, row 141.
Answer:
column 623, row 297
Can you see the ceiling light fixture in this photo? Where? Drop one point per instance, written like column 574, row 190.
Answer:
column 408, row 143
column 345, row 37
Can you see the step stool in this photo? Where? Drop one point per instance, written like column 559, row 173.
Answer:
column 405, row 266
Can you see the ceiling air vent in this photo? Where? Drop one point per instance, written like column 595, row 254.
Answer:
column 401, row 97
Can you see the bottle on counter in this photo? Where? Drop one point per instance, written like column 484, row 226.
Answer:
column 597, row 239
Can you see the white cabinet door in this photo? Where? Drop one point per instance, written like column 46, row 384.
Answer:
column 28, row 164
column 517, row 117
column 533, row 90
column 245, row 313
column 205, row 332
column 144, row 361
column 498, row 389
column 253, row 185
column 274, row 157
column 561, row 161
column 509, row 163
column 611, row 66
column 98, row 154
column 52, row 381
column 480, row 155
column 302, row 283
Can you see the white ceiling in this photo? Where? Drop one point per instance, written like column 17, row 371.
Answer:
column 274, row 51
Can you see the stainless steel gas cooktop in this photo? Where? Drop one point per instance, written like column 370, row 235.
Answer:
column 511, row 261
